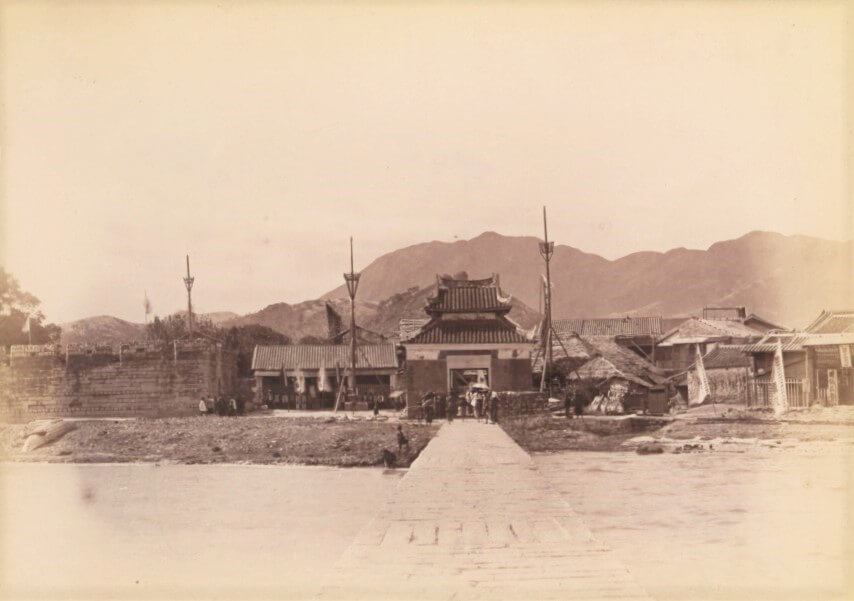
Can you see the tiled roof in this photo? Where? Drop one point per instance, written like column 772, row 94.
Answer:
column 696, row 328
column 620, row 326
column 309, row 356
column 830, row 339
column 832, row 322
column 626, row 360
column 668, row 323
column 455, row 283
column 736, row 313
column 409, row 327
column 726, row 355
column 602, row 368
column 621, row 359
column 796, row 341
column 468, row 331
column 468, row 299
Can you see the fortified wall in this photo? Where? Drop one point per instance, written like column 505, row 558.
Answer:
column 130, row 380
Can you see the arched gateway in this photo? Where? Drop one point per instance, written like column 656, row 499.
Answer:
column 469, row 338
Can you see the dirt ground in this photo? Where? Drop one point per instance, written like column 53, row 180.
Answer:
column 211, row 439
column 546, row 433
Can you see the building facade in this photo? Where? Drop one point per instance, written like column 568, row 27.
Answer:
column 469, row 338
column 303, row 376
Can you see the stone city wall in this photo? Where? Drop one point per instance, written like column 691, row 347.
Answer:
column 140, row 380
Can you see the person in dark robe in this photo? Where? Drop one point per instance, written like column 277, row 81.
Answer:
column 493, row 407
column 402, row 441
column 569, row 400
column 579, row 403
column 452, row 407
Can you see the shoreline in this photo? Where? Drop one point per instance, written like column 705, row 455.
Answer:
column 693, row 431
column 221, row 441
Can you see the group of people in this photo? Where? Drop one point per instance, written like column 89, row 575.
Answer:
column 221, row 406
column 478, row 402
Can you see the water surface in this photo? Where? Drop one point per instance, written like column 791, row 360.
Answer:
column 757, row 524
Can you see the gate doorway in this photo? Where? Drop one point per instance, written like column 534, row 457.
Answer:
column 461, row 379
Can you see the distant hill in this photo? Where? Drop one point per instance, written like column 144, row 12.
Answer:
column 103, row 328
column 112, row 330
column 786, row 279
column 309, row 317
column 216, row 317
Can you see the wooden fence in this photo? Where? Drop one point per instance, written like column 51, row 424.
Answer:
column 763, row 390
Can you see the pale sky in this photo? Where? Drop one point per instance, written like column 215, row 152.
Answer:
column 258, row 136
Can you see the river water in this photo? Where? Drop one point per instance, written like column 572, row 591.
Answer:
column 178, row 531
column 757, row 524
column 747, row 523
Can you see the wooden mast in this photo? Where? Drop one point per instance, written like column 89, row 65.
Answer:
column 352, row 280
column 546, row 250
column 188, row 282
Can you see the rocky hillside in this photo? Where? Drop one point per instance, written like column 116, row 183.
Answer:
column 786, row 279
column 309, row 318
column 112, row 330
column 102, row 328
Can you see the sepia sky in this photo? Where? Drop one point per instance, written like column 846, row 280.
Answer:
column 258, row 136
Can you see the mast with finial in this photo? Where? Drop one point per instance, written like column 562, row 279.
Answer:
column 188, row 282
column 546, row 251
column 352, row 280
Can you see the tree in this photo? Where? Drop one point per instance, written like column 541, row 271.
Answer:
column 310, row 339
column 244, row 339
column 15, row 306
column 174, row 327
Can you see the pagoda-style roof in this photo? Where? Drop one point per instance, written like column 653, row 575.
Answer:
column 469, row 331
column 468, row 296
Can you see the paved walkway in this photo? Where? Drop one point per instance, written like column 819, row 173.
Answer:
column 474, row 519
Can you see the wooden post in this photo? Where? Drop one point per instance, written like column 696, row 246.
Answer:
column 547, row 250
column 188, row 282
column 352, row 280
column 807, row 384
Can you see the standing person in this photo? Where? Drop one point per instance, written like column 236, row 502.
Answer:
column 232, row 406
column 468, row 403
column 569, row 400
column 428, row 411
column 203, row 408
column 376, row 403
column 452, row 407
column 402, row 441
column 579, row 402
column 478, row 404
column 493, row 407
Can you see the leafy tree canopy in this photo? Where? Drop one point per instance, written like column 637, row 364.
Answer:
column 15, row 306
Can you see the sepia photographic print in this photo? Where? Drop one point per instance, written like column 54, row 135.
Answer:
column 426, row 300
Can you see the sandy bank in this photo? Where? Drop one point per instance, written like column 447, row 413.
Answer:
column 222, row 440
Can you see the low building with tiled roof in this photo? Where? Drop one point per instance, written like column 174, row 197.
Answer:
column 817, row 365
column 636, row 333
column 468, row 339
column 675, row 351
column 729, row 373
column 832, row 322
column 306, row 376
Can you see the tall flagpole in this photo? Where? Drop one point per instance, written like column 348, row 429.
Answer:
column 188, row 282
column 546, row 251
column 352, row 280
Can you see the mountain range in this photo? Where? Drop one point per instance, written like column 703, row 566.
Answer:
column 784, row 279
